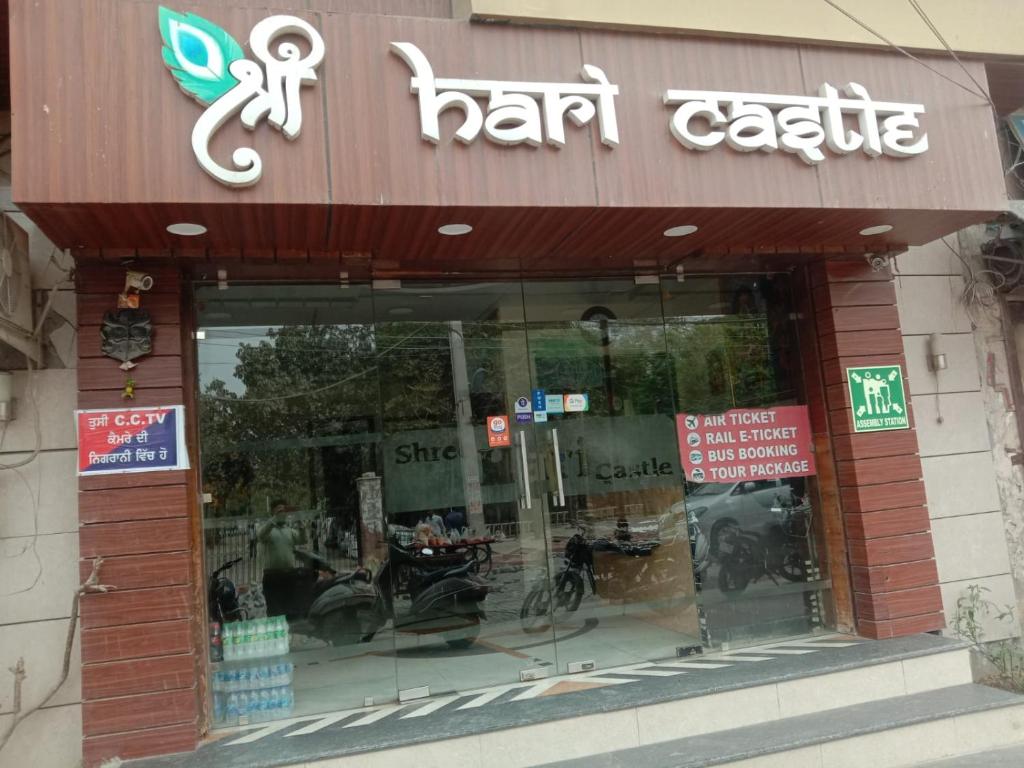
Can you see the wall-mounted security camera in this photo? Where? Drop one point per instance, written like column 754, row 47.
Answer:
column 138, row 281
column 877, row 261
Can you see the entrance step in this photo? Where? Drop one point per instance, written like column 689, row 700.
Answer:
column 1007, row 757
column 892, row 733
column 609, row 710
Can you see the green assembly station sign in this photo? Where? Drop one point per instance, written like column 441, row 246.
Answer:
column 876, row 394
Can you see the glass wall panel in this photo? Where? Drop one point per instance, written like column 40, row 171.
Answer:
column 733, row 344
column 290, row 431
column 621, row 576
column 457, row 487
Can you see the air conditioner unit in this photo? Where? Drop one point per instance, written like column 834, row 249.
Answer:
column 16, row 328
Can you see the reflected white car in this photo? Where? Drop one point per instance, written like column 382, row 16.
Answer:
column 748, row 505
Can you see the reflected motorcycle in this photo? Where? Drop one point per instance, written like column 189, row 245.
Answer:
column 544, row 601
column 746, row 556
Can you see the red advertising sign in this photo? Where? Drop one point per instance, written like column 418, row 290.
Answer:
column 746, row 444
column 498, row 433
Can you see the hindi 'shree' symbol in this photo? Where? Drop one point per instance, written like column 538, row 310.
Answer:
column 210, row 66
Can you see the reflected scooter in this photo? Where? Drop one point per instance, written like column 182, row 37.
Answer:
column 222, row 596
column 443, row 599
column 348, row 608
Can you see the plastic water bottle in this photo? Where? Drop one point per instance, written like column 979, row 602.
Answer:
column 232, row 710
column 266, row 705
column 228, row 640
column 287, row 700
column 236, row 640
column 244, row 706
column 248, row 639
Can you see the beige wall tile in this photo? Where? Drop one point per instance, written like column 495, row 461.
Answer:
column 31, row 589
column 970, row 547
column 50, row 481
column 931, row 305
column 963, row 428
column 1000, row 593
column 51, row 738
column 41, row 644
column 960, row 484
column 933, row 258
column 961, row 375
column 56, row 393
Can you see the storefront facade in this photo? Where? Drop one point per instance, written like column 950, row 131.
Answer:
column 467, row 310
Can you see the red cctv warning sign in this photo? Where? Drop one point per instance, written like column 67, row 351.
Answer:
column 498, row 434
column 746, row 444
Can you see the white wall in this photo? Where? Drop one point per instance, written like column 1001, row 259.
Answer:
column 953, row 413
column 39, row 534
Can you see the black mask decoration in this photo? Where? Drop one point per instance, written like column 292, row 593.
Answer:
column 126, row 335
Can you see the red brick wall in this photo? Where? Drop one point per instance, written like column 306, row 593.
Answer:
column 139, row 642
column 889, row 543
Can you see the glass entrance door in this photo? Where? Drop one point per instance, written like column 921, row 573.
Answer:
column 531, row 427
column 622, row 588
column 461, row 483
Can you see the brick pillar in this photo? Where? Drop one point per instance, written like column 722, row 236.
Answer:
column 888, row 532
column 139, row 642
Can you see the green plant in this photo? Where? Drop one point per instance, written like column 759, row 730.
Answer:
column 1005, row 656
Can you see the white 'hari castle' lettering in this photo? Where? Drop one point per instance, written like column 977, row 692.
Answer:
column 798, row 124
column 517, row 112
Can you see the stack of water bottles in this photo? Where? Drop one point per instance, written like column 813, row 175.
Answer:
column 243, row 695
column 255, row 638
column 244, row 692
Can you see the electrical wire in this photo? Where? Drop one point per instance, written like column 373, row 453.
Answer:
column 977, row 293
column 935, row 31
column 905, row 52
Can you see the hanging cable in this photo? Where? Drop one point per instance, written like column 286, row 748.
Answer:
column 977, row 293
column 935, row 31
column 905, row 52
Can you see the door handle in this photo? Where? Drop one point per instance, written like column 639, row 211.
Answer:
column 558, row 467
column 526, row 499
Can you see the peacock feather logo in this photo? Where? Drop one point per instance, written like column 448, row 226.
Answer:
column 210, row 66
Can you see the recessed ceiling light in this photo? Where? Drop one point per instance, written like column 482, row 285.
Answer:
column 879, row 229
column 187, row 229
column 455, row 229
column 400, row 311
column 682, row 231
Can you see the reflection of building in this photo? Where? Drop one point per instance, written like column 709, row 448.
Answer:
column 361, row 345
